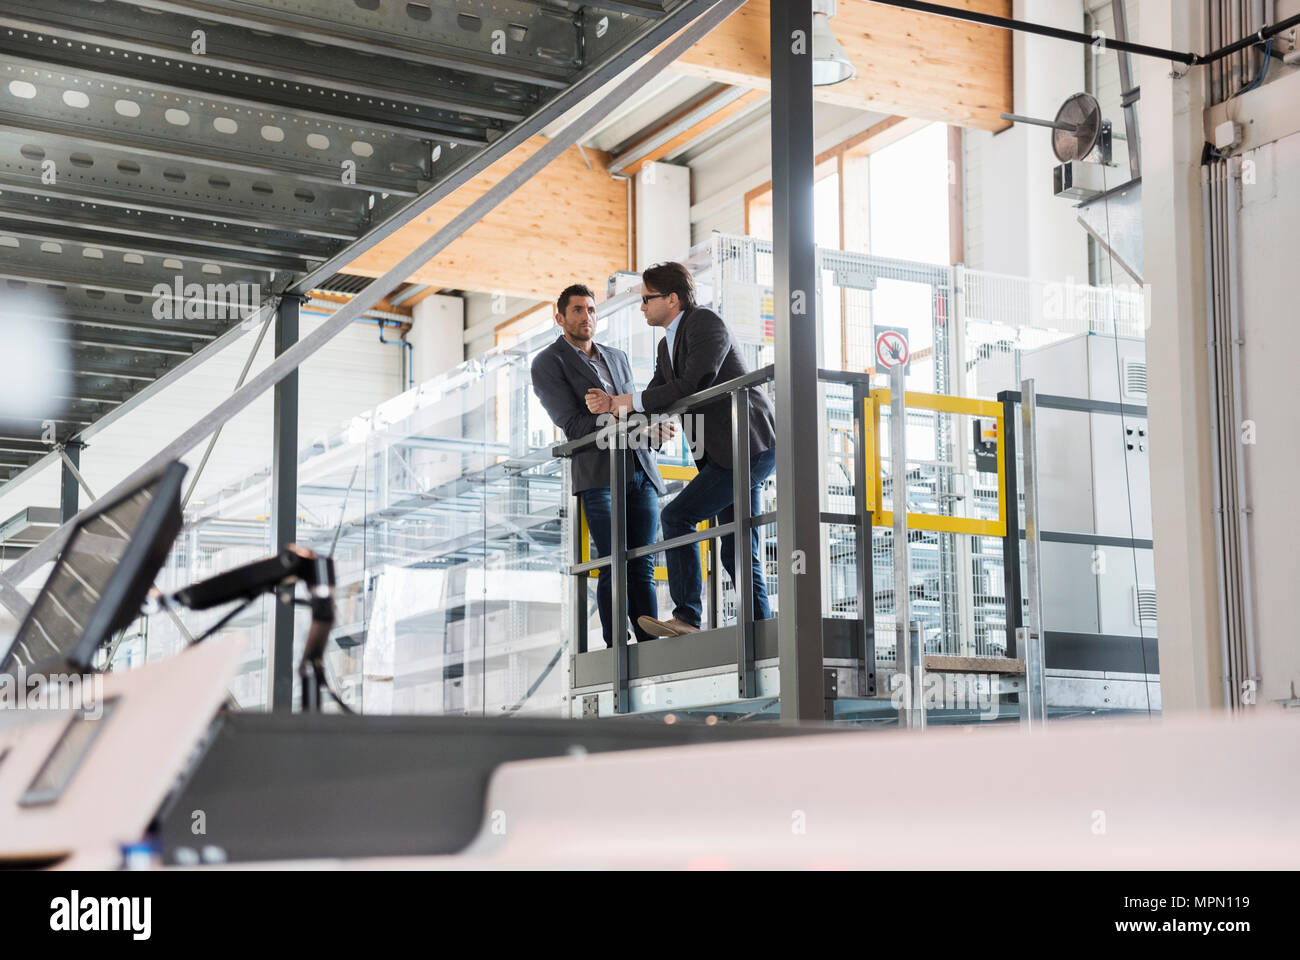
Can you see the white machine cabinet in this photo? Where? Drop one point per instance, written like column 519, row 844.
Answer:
column 1098, row 589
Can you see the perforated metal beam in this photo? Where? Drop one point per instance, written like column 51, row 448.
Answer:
column 541, row 42
column 276, row 73
column 46, row 228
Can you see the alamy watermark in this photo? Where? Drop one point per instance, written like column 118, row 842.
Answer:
column 54, row 691
column 947, row 691
column 1082, row 303
column 649, row 432
column 206, row 301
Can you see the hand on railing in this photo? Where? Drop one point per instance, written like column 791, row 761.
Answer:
column 621, row 405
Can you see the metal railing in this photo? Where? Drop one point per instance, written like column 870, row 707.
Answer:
column 868, row 512
column 614, row 437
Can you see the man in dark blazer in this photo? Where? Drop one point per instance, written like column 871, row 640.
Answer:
column 697, row 351
column 562, row 375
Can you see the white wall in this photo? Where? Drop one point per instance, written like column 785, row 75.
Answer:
column 1270, row 245
column 437, row 335
column 663, row 209
column 1174, row 129
column 1012, row 222
column 484, row 312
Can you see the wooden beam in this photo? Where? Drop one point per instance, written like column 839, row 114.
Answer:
column 383, row 306
column 956, row 199
column 568, row 224
column 693, row 132
column 910, row 64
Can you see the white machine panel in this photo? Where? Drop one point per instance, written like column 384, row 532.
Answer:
column 73, row 788
column 1095, row 478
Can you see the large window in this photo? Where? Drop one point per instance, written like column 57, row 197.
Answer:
column 908, row 191
column 884, row 192
column 889, row 200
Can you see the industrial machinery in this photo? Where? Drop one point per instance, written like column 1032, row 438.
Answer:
column 1098, row 568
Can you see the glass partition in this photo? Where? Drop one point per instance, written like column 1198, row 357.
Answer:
column 447, row 515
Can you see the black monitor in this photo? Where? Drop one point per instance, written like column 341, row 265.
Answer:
column 101, row 577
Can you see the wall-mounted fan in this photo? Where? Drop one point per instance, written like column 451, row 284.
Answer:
column 1078, row 132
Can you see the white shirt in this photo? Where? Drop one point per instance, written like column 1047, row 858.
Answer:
column 670, row 335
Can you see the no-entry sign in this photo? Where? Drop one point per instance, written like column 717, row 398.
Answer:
column 891, row 349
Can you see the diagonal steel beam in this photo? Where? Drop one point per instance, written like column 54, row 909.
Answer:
column 689, row 22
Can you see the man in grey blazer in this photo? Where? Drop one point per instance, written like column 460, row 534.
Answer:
column 562, row 375
column 697, row 351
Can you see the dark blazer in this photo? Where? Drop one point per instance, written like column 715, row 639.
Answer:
column 561, row 380
column 704, row 353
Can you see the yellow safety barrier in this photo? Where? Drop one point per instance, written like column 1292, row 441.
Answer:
column 669, row 471
column 940, row 523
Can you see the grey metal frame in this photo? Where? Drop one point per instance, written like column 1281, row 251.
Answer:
column 284, row 504
column 1032, row 633
column 1075, row 650
column 794, row 261
column 909, row 655
column 748, row 641
column 69, row 489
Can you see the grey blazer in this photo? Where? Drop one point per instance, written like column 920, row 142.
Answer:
column 704, row 353
column 561, row 380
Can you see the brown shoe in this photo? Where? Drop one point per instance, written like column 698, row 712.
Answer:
column 665, row 628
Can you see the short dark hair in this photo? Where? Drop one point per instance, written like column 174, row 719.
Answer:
column 571, row 291
column 672, row 277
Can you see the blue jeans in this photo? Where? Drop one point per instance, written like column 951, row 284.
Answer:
column 641, row 502
column 709, row 494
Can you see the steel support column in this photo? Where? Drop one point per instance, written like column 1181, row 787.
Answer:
column 69, row 489
column 1128, row 93
column 1011, row 585
column 284, row 503
column 742, row 539
column 863, row 448
column 795, row 281
column 618, row 566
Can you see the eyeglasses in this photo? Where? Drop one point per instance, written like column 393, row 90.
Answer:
column 646, row 298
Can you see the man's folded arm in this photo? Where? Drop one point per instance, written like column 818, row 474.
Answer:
column 566, row 411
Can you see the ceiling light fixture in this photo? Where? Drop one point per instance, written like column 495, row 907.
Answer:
column 830, row 63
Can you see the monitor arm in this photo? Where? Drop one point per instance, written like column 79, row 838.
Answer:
column 281, row 574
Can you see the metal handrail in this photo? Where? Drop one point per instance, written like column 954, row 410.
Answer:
column 619, row 553
column 760, row 376
column 685, row 540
